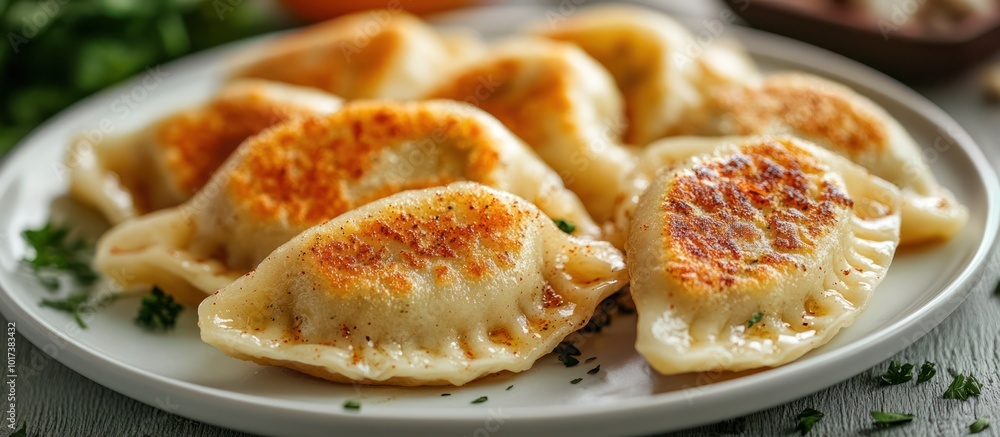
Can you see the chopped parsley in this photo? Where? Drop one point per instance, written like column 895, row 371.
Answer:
column 979, row 425
column 590, row 359
column 927, row 371
column 565, row 226
column 509, row 387
column 352, row 405
column 614, row 304
column 963, row 386
column 566, row 348
column 594, row 370
column 480, row 400
column 754, row 319
column 158, row 311
column 568, row 360
column 55, row 253
column 76, row 305
column 897, row 374
column 891, row 418
column 445, row 394
column 576, row 381
column 807, row 418
column 567, row 353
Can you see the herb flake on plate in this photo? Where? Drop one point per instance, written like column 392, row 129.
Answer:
column 480, row 400
column 352, row 405
column 576, row 381
column 755, row 319
column 158, row 311
column 55, row 253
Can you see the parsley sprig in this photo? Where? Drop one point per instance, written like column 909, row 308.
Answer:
column 56, row 253
column 77, row 304
column 963, row 386
column 755, row 319
column 927, row 371
column 807, row 418
column 159, row 311
column 897, row 374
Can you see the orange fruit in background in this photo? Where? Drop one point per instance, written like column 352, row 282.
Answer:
column 318, row 10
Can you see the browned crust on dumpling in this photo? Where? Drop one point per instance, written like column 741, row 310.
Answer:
column 473, row 227
column 742, row 215
column 300, row 170
column 632, row 55
column 346, row 56
column 814, row 107
column 196, row 143
column 499, row 88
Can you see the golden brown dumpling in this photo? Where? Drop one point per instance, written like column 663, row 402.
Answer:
column 660, row 68
column 372, row 54
column 835, row 117
column 756, row 253
column 426, row 287
column 306, row 171
column 165, row 164
column 561, row 103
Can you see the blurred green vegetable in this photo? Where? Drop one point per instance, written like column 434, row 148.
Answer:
column 59, row 51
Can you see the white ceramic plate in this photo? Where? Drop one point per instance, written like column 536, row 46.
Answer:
column 178, row 373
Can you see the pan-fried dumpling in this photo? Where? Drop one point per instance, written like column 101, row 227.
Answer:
column 660, row 156
column 661, row 69
column 835, row 117
column 373, row 54
column 561, row 103
column 298, row 174
column 755, row 254
column 166, row 163
column 426, row 287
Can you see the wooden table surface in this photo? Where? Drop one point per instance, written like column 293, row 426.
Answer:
column 60, row 402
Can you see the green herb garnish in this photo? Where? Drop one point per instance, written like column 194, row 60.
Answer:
column 565, row 226
column 891, row 418
column 963, row 386
column 568, row 360
column 566, row 348
column 754, row 319
column 158, row 311
column 509, row 387
column 76, row 305
column 576, row 381
column 807, row 418
column 480, row 400
column 352, row 405
column 897, row 374
column 56, row 253
column 445, row 394
column 590, row 359
column 927, row 371
column 594, row 370
column 979, row 425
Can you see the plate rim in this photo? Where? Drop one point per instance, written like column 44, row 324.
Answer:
column 204, row 403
